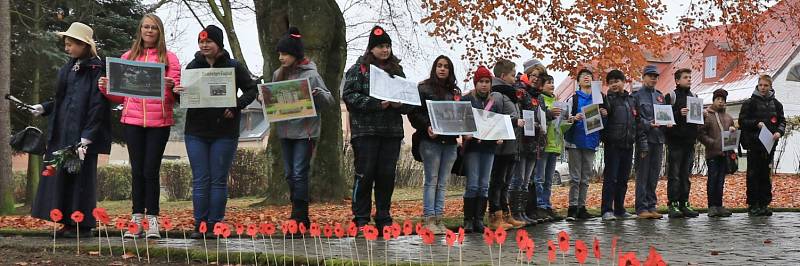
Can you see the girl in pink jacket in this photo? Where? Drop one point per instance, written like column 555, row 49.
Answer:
column 146, row 124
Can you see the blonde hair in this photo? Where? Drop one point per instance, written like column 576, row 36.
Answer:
column 539, row 68
column 137, row 49
column 766, row 78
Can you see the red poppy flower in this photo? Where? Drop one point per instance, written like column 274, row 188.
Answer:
column 378, row 32
column 520, row 93
column 427, row 237
column 387, row 233
column 529, row 249
column 239, row 229
column 267, row 229
column 522, row 235
column 457, row 97
column 407, row 227
column 203, row 35
column 56, row 215
column 203, row 227
column 450, row 237
column 314, row 230
column 166, row 222
column 581, row 252
column 48, row 171
column 302, row 228
column 596, row 248
column 338, row 231
column 133, row 227
column 328, row 231
column 733, row 156
column 252, row 231
column 352, row 229
column 488, row 236
column 226, row 231
column 285, row 227
column 145, row 224
column 98, row 215
column 120, row 224
column 629, row 259
column 396, row 230
column 418, row 228
column 77, row 216
column 500, row 235
column 292, row 227
column 370, row 232
column 534, row 102
column 551, row 251
column 774, row 119
column 654, row 258
column 218, row 229
column 461, row 235
column 563, row 241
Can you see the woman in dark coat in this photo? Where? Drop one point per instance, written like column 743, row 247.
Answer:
column 79, row 114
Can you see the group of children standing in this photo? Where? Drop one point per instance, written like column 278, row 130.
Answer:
column 512, row 178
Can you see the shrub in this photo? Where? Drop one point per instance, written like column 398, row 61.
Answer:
column 20, row 180
column 176, row 178
column 248, row 174
column 114, row 182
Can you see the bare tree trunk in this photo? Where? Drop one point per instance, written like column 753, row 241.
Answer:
column 6, row 188
column 34, row 161
column 322, row 25
column 225, row 17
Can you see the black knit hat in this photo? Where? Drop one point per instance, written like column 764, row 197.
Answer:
column 615, row 74
column 720, row 93
column 378, row 36
column 292, row 43
column 212, row 33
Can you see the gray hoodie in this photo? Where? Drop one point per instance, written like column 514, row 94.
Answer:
column 305, row 128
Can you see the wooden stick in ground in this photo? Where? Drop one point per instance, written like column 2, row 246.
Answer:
column 305, row 250
column 78, row 228
column 99, row 239
column 240, row 250
column 122, row 239
column 205, row 247
column 255, row 254
column 264, row 238
column 274, row 256
column 147, row 249
column 186, row 246
column 108, row 240
column 167, row 235
column 55, row 225
column 136, row 244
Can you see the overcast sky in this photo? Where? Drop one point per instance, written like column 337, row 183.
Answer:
column 184, row 44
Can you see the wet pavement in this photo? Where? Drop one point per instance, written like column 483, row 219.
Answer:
column 736, row 240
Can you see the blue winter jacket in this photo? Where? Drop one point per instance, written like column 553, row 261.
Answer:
column 579, row 137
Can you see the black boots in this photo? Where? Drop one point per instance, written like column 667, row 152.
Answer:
column 480, row 211
column 518, row 204
column 300, row 212
column 572, row 213
column 469, row 214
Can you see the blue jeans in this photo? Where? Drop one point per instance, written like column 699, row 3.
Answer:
column 545, row 168
column 479, row 171
column 648, row 170
column 615, row 179
column 296, row 164
column 437, row 160
column 522, row 174
column 210, row 159
column 717, row 169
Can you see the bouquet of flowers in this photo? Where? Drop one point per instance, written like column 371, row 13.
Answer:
column 66, row 158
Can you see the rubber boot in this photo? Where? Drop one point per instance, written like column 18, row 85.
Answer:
column 469, row 215
column 480, row 211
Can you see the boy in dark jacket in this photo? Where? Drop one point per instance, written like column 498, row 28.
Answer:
column 619, row 135
column 761, row 110
column 715, row 122
column 680, row 147
column 650, row 151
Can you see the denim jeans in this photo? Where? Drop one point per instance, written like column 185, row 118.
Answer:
column 479, row 170
column 437, row 160
column 210, row 159
column 522, row 174
column 680, row 159
column 581, row 163
column 648, row 169
column 296, row 155
column 375, row 163
column 545, row 168
column 615, row 179
column 717, row 169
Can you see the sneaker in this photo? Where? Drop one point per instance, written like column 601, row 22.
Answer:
column 723, row 212
column 583, row 214
column 754, row 211
column 609, row 216
column 766, row 211
column 136, row 218
column 153, row 231
column 713, row 211
column 625, row 216
column 674, row 211
column 572, row 213
column 541, row 215
column 688, row 211
column 553, row 215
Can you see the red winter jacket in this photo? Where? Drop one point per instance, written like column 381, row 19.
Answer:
column 149, row 112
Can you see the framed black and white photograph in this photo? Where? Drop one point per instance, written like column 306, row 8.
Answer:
column 135, row 79
column 730, row 141
column 451, row 117
column 592, row 120
column 695, row 115
column 663, row 114
column 530, row 122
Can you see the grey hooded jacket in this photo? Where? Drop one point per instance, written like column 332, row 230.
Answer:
column 309, row 127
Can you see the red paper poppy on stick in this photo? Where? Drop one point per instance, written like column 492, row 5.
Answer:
column 226, row 231
column 551, row 251
column 145, row 224
column 100, row 215
column 614, row 245
column 396, row 230
column 120, row 224
column 292, row 227
column 654, row 258
column 461, row 235
column 133, row 227
column 267, row 229
column 529, row 249
column 596, row 248
column 302, row 228
column 407, row 227
column 218, row 229
column 522, row 235
column 500, row 235
column 352, row 229
column 203, row 227
column 629, row 259
column 77, row 216
column 338, row 230
column 167, row 223
column 370, row 232
column 239, row 229
column 56, row 215
column 563, row 241
column 252, row 231
column 581, row 251
column 314, row 230
column 418, row 228
column 328, row 231
column 387, row 233
column 488, row 236
column 450, row 237
column 428, row 237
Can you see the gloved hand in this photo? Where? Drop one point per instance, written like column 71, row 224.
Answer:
column 38, row 110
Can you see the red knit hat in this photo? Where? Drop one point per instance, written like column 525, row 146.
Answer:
column 482, row 72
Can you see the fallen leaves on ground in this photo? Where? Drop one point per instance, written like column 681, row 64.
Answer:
column 786, row 194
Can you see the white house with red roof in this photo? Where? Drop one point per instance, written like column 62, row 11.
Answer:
column 714, row 69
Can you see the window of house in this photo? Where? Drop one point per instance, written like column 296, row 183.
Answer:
column 711, row 67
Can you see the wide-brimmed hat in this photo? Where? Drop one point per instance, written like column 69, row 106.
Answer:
column 81, row 32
